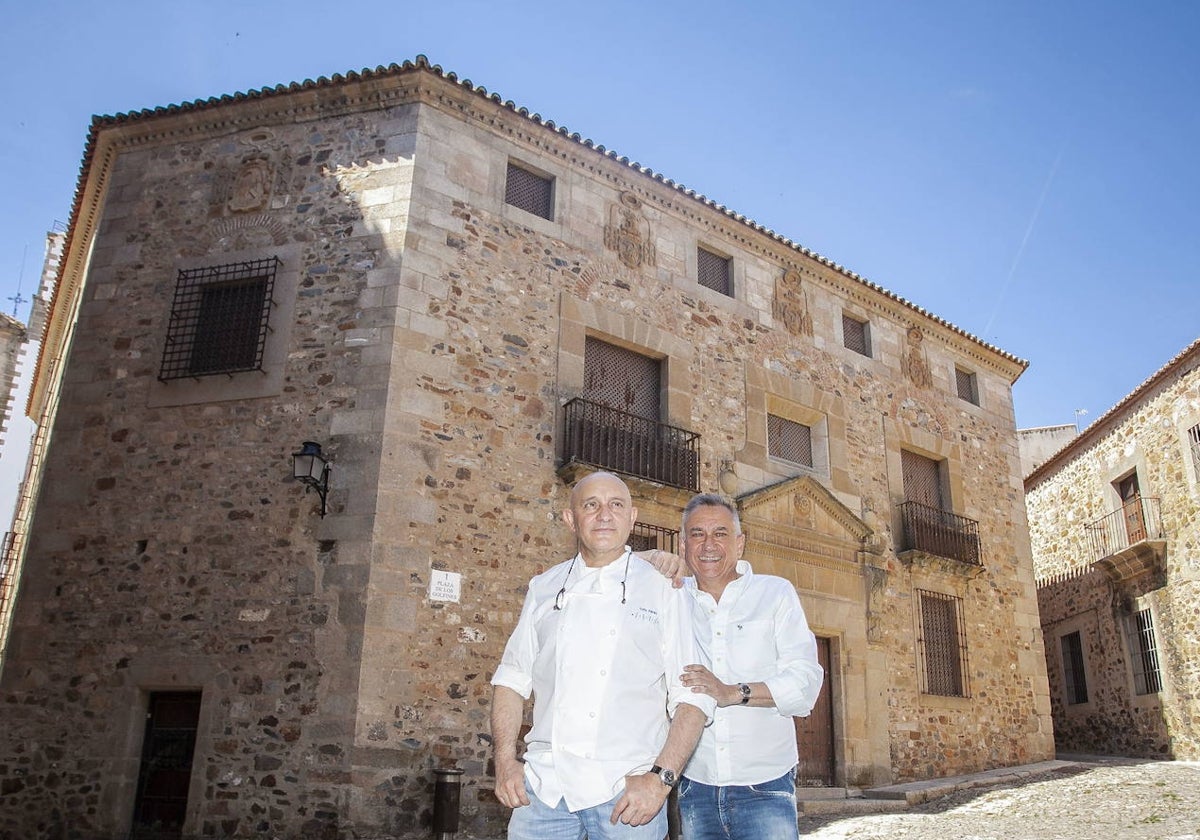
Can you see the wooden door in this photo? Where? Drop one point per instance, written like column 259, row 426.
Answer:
column 166, row 769
column 1131, row 499
column 814, row 734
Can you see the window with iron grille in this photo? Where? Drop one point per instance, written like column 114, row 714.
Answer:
column 621, row 379
column 968, row 385
column 530, row 192
column 649, row 537
column 922, row 479
column 789, row 440
column 1074, row 679
column 855, row 335
column 942, row 645
column 713, row 272
column 1194, row 444
column 220, row 318
column 1143, row 648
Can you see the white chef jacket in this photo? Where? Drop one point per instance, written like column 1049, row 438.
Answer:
column 604, row 676
column 757, row 632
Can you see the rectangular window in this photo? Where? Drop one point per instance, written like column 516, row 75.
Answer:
column 220, row 318
column 1143, row 648
column 855, row 335
column 942, row 645
column 922, row 479
column 713, row 272
column 1073, row 676
column 649, row 537
column 621, row 379
column 968, row 386
column 529, row 192
column 789, row 440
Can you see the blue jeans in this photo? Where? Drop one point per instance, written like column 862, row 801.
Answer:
column 538, row 821
column 765, row 811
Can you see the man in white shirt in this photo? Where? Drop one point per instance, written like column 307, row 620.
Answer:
column 601, row 644
column 740, row 783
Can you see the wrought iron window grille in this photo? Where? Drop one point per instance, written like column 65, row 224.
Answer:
column 220, row 319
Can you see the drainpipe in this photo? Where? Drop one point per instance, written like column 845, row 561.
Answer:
column 446, row 795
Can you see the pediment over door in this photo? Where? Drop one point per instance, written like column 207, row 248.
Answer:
column 800, row 521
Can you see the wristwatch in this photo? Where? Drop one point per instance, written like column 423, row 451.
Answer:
column 745, row 689
column 667, row 777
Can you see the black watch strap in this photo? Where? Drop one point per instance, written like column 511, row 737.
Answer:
column 667, row 777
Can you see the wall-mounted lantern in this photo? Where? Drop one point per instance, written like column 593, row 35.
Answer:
column 310, row 467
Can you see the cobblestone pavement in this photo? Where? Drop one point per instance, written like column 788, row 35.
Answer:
column 1095, row 799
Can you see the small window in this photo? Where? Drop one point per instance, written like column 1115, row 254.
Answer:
column 529, row 192
column 1143, row 647
column 219, row 320
column 1074, row 678
column 856, row 335
column 713, row 272
column 942, row 645
column 789, row 440
column 968, row 385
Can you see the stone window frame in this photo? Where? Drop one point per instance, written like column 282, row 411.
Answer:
column 704, row 253
column 559, row 198
column 898, row 437
column 970, row 378
column 737, row 273
column 768, row 392
column 251, row 384
column 868, row 338
column 1129, row 637
column 960, row 643
column 1085, row 626
column 580, row 318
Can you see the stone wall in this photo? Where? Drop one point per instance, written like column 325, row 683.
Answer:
column 1094, row 572
column 428, row 334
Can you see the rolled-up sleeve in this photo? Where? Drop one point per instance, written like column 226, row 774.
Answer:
column 798, row 675
column 680, row 648
column 515, row 670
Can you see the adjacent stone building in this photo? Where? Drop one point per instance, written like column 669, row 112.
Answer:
column 1115, row 525
column 467, row 307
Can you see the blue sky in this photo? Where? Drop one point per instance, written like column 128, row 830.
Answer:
column 1025, row 170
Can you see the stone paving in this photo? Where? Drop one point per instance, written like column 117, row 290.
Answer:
column 1083, row 798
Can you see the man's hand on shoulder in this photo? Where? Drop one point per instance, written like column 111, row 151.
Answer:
column 510, row 783
column 667, row 564
column 644, row 796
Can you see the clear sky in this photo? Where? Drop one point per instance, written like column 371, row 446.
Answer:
column 1028, row 170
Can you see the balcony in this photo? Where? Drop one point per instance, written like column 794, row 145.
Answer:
column 939, row 533
column 625, row 443
column 1129, row 541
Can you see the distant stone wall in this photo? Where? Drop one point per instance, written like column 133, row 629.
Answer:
column 1098, row 562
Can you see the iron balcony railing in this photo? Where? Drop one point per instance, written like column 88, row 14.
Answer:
column 623, row 442
column 1136, row 521
column 939, row 532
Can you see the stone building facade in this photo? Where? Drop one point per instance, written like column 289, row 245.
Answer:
column 1115, row 526
column 467, row 307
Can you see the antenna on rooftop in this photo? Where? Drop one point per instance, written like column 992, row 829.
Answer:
column 17, row 299
column 1079, row 412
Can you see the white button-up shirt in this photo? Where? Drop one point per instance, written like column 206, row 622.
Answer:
column 604, row 676
column 757, row 632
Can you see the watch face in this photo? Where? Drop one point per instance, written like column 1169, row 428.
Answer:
column 668, row 777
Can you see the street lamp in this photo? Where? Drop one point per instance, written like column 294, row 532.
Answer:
column 310, row 467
